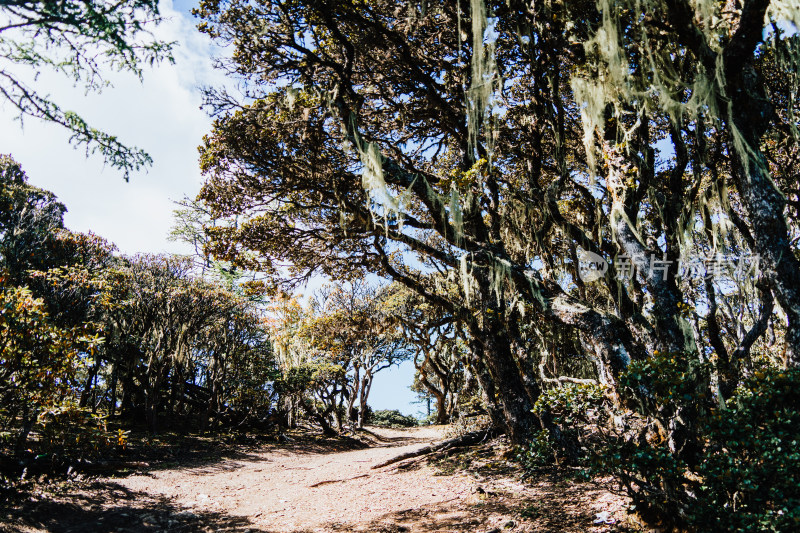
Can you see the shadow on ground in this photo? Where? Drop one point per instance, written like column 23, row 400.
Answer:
column 550, row 502
column 494, row 513
column 206, row 455
column 400, row 440
column 108, row 507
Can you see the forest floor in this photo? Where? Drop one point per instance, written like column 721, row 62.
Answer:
column 322, row 485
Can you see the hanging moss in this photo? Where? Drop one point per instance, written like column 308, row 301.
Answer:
column 468, row 281
column 483, row 92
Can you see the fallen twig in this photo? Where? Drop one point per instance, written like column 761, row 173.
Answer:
column 464, row 440
column 315, row 485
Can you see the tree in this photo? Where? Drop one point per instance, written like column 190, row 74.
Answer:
column 30, row 218
column 79, row 40
column 439, row 366
column 164, row 327
column 503, row 155
column 331, row 349
column 440, row 349
column 357, row 240
column 81, row 327
column 191, row 219
column 352, row 327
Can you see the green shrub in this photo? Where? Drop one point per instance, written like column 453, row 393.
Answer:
column 570, row 403
column 743, row 474
column 539, row 452
column 750, row 473
column 392, row 418
column 747, row 475
column 73, row 431
column 567, row 413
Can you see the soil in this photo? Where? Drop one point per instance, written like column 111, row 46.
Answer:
column 322, row 486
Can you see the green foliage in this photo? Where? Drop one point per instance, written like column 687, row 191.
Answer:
column 670, row 379
column 570, row 403
column 624, row 129
column 746, row 475
column 537, row 453
column 82, row 41
column 566, row 412
column 750, row 473
column 71, row 431
column 296, row 379
column 30, row 219
column 39, row 362
column 86, row 335
column 179, row 333
column 392, row 418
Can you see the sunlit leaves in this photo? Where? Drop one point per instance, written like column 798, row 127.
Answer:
column 39, row 362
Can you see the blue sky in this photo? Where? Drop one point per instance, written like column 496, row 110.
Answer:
column 162, row 115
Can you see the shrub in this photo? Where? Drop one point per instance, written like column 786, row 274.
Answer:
column 750, row 473
column 392, row 418
column 567, row 413
column 38, row 362
column 69, row 430
column 539, row 452
column 746, row 477
column 743, row 474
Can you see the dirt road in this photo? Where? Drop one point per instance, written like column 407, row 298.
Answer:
column 308, row 487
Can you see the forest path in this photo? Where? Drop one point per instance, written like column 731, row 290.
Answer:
column 323, row 486
column 299, row 487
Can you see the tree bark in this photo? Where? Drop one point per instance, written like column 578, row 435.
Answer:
column 366, row 384
column 509, row 388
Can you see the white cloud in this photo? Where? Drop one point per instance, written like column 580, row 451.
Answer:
column 162, row 115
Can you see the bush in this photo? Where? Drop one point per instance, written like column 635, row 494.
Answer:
column 539, row 452
column 567, row 413
column 392, row 418
column 39, row 362
column 71, row 431
column 747, row 474
column 750, row 473
column 742, row 473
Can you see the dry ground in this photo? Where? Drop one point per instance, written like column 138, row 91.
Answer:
column 322, row 487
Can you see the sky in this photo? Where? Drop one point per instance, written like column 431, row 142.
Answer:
column 161, row 115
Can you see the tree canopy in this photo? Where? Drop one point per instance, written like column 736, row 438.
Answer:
column 604, row 182
column 82, row 41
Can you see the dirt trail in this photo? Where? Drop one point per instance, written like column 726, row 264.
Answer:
column 307, row 487
column 301, row 487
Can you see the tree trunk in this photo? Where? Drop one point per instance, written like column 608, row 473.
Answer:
column 512, row 409
column 112, row 403
column 442, row 416
column 484, row 379
column 321, row 418
column 28, row 419
column 751, row 113
column 87, row 386
column 366, row 384
column 512, row 393
column 352, row 417
column 151, row 411
column 442, row 411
